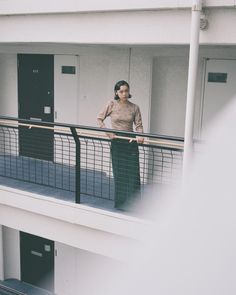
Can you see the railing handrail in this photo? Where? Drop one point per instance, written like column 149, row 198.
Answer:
column 100, row 137
column 98, row 129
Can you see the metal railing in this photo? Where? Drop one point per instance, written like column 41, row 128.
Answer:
column 5, row 290
column 16, row 287
column 84, row 160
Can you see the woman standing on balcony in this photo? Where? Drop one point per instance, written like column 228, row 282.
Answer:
column 125, row 155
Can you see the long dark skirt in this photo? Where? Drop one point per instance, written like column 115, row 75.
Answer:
column 125, row 163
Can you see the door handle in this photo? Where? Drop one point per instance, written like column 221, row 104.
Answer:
column 36, row 253
column 35, row 119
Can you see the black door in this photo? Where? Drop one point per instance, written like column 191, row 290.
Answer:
column 37, row 261
column 36, row 102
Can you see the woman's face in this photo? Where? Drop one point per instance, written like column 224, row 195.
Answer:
column 123, row 92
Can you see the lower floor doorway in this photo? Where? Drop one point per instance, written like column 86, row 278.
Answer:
column 37, row 261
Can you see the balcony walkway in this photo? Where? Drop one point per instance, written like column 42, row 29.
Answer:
column 59, row 194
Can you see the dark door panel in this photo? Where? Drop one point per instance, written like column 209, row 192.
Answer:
column 36, row 102
column 37, row 261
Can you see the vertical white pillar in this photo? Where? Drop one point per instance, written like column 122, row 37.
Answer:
column 192, row 79
column 1, row 255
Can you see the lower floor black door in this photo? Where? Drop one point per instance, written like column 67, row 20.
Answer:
column 37, row 261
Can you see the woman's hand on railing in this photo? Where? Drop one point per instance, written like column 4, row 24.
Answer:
column 140, row 139
column 111, row 135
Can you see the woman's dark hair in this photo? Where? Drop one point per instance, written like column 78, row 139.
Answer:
column 117, row 87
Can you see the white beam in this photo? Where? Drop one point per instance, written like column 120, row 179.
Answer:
column 99, row 28
column 73, row 6
column 14, row 7
column 95, row 230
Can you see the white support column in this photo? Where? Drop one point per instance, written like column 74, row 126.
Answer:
column 1, row 255
column 192, row 79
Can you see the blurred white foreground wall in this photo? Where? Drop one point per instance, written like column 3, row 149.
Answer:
column 190, row 249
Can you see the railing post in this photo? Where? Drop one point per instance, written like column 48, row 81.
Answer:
column 77, row 165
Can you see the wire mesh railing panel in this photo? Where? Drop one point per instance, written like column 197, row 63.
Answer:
column 64, row 162
column 159, row 165
column 26, row 161
column 96, row 170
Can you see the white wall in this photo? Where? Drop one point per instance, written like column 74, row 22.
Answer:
column 141, row 83
column 11, row 251
column 66, row 92
column 99, row 71
column 8, row 85
column 65, row 269
column 220, row 22
column 169, row 90
column 8, row 93
column 77, row 270
column 94, row 271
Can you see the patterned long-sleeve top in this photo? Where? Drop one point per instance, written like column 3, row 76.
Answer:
column 123, row 116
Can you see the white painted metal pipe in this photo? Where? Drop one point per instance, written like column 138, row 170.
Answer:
column 192, row 79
